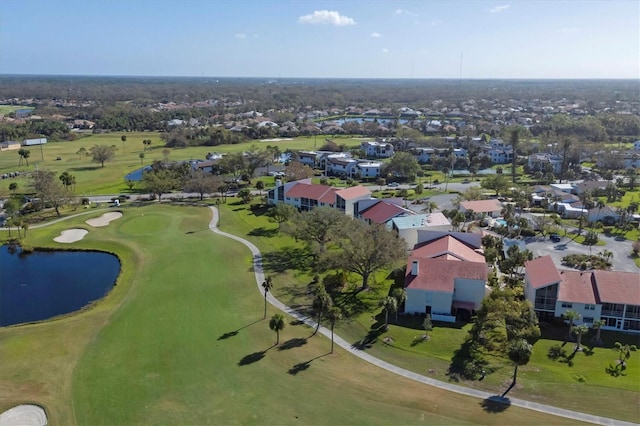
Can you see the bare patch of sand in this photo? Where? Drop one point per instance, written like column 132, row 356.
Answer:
column 276, row 140
column 24, row 415
column 104, row 220
column 71, row 235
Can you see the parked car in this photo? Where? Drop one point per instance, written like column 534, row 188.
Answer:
column 555, row 238
column 393, row 184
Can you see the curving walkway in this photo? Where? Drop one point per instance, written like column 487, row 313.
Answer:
column 259, row 274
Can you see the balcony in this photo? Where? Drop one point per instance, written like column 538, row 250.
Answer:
column 545, row 306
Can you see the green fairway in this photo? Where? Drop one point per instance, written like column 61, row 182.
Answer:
column 6, row 109
column 181, row 340
column 93, row 179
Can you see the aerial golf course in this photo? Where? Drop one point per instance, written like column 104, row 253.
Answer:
column 181, row 338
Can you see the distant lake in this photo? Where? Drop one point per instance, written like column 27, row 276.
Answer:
column 136, row 175
column 45, row 284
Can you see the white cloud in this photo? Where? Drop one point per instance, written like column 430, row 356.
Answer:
column 385, row 50
column 569, row 30
column 499, row 9
column 326, row 17
column 375, row 35
column 405, row 12
column 241, row 36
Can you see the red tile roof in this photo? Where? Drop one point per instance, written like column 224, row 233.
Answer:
column 448, row 244
column 576, row 287
column 353, row 192
column 305, row 190
column 541, row 272
column 440, row 274
column 329, row 197
column 482, row 206
column 618, row 287
column 382, row 211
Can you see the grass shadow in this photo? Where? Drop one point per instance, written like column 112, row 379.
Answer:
column 251, row 358
column 376, row 330
column 296, row 342
column 495, row 404
column 302, row 366
column 287, row 258
column 263, row 232
column 235, row 332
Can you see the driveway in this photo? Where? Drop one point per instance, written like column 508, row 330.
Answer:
column 621, row 250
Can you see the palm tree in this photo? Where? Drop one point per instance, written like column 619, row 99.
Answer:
column 400, row 294
column 597, row 326
column 624, row 353
column 260, row 187
column 141, row 155
column 267, row 285
column 520, row 353
column 429, row 207
column 123, row 138
column 277, row 324
column 514, row 140
column 335, row 315
column 571, row 316
column 388, row 304
column 25, row 228
column 321, row 304
column 579, row 331
column 24, row 154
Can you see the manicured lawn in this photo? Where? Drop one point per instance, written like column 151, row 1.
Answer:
column 181, row 340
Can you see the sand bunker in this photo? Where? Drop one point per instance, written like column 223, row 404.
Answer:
column 104, row 219
column 24, row 415
column 71, row 235
column 276, row 140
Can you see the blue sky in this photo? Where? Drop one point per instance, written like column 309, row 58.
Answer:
column 341, row 39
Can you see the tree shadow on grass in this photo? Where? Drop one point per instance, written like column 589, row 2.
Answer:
column 235, row 332
column 286, row 258
column 376, row 330
column 495, row 404
column 251, row 358
column 302, row 366
column 296, row 342
column 263, row 232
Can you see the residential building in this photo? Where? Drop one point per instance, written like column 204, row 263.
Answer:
column 540, row 162
column 305, row 195
column 377, row 149
column 382, row 211
column 369, row 169
column 445, row 276
column 7, row 145
column 408, row 227
column 490, row 207
column 608, row 295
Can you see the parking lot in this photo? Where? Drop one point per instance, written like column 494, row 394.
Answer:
column 557, row 250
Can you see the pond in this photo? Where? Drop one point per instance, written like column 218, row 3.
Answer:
column 44, row 284
column 136, row 175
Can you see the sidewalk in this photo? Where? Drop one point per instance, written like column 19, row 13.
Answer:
column 259, row 274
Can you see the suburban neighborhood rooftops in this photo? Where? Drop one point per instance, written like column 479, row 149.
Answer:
column 542, row 272
column 305, row 190
column 353, row 192
column 383, row 211
column 482, row 206
column 618, row 287
column 576, row 288
column 421, row 221
column 448, row 245
column 440, row 274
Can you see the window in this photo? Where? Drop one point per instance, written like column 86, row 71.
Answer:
column 588, row 320
column 567, row 305
column 589, row 307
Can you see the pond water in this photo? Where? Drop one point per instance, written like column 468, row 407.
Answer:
column 44, row 284
column 136, row 175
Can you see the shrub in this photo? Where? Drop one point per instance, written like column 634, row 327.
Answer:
column 86, row 201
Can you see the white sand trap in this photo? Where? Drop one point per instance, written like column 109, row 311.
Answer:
column 71, row 235
column 276, row 140
column 24, row 415
column 104, row 219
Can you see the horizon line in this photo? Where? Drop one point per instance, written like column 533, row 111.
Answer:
column 319, row 78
